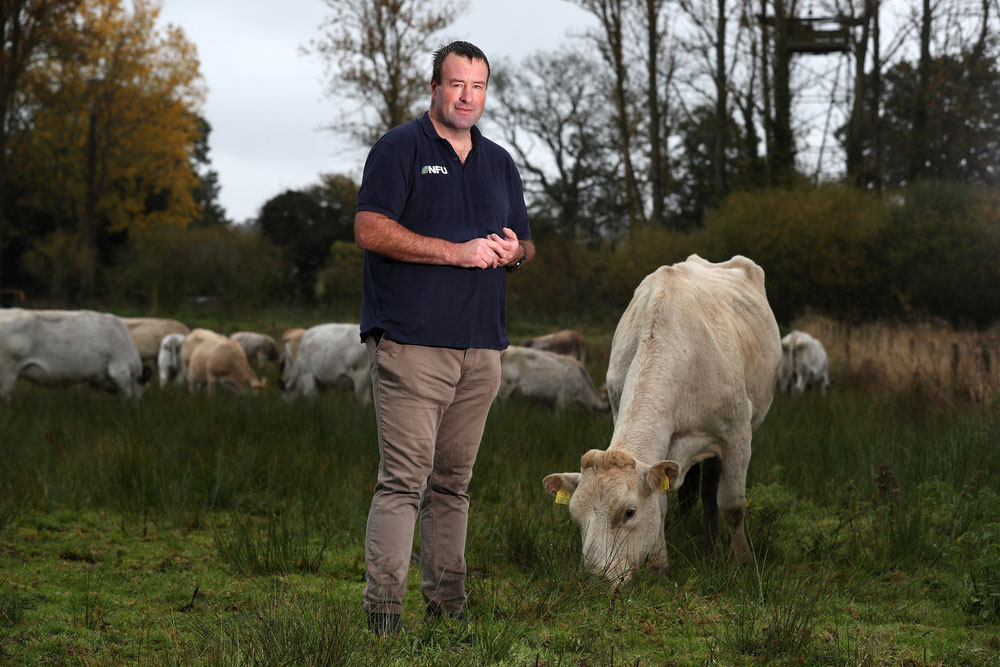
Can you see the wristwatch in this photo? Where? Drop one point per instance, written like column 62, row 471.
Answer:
column 516, row 265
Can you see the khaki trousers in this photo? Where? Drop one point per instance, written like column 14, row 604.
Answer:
column 430, row 407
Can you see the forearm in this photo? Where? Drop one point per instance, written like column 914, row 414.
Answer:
column 378, row 233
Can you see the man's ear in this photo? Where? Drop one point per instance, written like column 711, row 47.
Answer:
column 663, row 476
column 562, row 481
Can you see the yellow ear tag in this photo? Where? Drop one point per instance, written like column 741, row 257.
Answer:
column 665, row 484
column 562, row 497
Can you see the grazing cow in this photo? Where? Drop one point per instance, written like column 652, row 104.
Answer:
column 169, row 359
column 329, row 355
column 66, row 347
column 210, row 359
column 257, row 347
column 803, row 364
column 690, row 376
column 549, row 377
column 567, row 341
column 148, row 332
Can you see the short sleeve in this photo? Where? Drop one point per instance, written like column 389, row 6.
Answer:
column 385, row 184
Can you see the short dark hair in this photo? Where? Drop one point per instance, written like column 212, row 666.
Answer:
column 470, row 51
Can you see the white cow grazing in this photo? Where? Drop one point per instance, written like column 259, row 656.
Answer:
column 257, row 347
column 803, row 364
column 169, row 359
column 66, row 347
column 148, row 333
column 552, row 378
column 211, row 359
column 690, row 376
column 329, row 355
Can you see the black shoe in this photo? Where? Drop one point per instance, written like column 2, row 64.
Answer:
column 384, row 624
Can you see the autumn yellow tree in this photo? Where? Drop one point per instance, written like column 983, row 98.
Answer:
column 111, row 146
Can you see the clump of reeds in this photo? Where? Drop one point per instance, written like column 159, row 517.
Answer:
column 929, row 359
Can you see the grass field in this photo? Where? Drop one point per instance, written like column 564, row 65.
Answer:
column 229, row 530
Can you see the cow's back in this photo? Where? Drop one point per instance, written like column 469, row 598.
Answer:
column 71, row 336
column 567, row 342
column 148, row 332
column 698, row 338
column 258, row 346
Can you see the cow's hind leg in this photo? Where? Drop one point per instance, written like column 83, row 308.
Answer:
column 711, row 470
column 687, row 495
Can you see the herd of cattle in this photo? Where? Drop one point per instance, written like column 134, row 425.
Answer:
column 694, row 364
column 65, row 347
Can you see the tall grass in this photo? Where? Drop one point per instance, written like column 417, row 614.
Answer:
column 929, row 359
column 861, row 507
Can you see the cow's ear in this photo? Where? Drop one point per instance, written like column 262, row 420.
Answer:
column 663, row 476
column 562, row 484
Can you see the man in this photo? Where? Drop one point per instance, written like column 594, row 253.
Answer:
column 441, row 218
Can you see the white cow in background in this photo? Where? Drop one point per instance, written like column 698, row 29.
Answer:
column 803, row 364
column 168, row 360
column 66, row 347
column 329, row 355
column 690, row 376
column 549, row 377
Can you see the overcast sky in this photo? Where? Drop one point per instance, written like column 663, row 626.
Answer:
column 265, row 100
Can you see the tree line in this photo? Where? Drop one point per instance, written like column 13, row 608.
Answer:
column 659, row 122
column 663, row 108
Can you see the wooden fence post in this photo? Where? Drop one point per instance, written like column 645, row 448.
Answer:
column 954, row 364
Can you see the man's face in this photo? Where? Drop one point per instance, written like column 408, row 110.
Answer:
column 457, row 102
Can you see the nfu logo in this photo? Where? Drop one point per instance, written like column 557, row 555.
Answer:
column 433, row 169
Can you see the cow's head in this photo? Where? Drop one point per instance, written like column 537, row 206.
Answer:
column 619, row 504
column 139, row 380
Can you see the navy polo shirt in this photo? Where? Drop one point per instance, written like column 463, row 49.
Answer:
column 414, row 176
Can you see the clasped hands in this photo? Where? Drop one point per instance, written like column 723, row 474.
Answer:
column 492, row 251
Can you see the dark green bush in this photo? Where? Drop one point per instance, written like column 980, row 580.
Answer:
column 816, row 246
column 340, row 282
column 942, row 245
column 933, row 250
column 164, row 267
